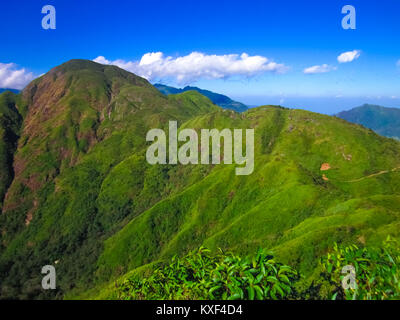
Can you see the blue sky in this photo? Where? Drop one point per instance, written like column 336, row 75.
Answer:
column 282, row 39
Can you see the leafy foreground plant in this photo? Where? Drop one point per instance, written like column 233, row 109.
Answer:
column 376, row 271
column 201, row 275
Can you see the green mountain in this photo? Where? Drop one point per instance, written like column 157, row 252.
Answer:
column 81, row 196
column 385, row 121
column 218, row 99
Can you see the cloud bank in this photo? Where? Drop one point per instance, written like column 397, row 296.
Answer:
column 349, row 56
column 319, row 69
column 13, row 78
column 196, row 65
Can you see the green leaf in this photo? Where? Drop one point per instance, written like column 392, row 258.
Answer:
column 250, row 291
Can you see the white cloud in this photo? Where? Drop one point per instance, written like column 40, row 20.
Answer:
column 319, row 69
column 13, row 78
column 197, row 65
column 349, row 56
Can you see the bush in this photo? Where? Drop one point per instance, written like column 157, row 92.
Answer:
column 201, row 275
column 376, row 271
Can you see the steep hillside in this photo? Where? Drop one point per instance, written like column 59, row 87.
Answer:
column 385, row 121
column 219, row 99
column 82, row 119
column 84, row 198
column 316, row 180
column 10, row 122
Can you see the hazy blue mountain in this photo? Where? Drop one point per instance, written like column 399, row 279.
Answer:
column 6, row 89
column 218, row 99
column 385, row 121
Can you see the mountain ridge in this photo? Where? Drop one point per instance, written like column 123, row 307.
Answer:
column 219, row 99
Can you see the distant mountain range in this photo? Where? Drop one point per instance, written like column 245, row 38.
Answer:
column 385, row 121
column 6, row 89
column 218, row 99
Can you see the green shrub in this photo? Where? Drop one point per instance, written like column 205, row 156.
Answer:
column 201, row 275
column 376, row 271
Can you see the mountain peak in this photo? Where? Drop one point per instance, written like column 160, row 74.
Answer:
column 77, row 66
column 80, row 64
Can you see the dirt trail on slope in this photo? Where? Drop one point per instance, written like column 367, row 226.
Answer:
column 374, row 174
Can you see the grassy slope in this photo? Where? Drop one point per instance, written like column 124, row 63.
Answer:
column 284, row 205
